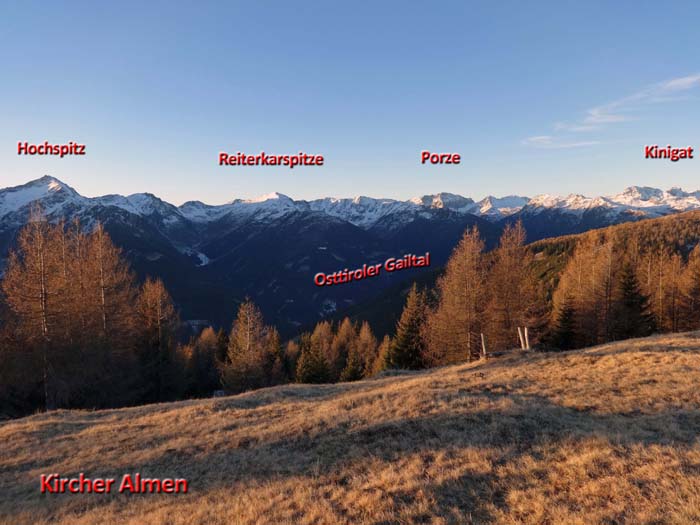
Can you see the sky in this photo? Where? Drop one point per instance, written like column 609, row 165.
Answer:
column 537, row 97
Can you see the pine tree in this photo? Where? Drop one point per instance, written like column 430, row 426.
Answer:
column 311, row 366
column 632, row 317
column 274, row 372
column 291, row 358
column 353, row 368
column 221, row 346
column 564, row 334
column 407, row 348
column 203, row 363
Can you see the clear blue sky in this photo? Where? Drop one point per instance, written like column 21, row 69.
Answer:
column 556, row 96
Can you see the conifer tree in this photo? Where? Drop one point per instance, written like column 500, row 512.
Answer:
column 354, row 367
column 366, row 347
column 203, row 363
column 452, row 329
column 322, row 340
column 690, row 292
column 632, row 317
column 111, row 291
column 311, row 366
column 221, row 346
column 33, row 293
column 158, row 322
column 291, row 358
column 341, row 347
column 380, row 362
column 247, row 349
column 274, row 372
column 407, row 348
column 588, row 282
column 512, row 289
column 564, row 334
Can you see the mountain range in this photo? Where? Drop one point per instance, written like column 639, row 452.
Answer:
column 212, row 257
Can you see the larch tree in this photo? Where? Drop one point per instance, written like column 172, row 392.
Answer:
column 453, row 328
column 380, row 363
column 111, row 288
column 588, row 282
column 341, row 347
column 252, row 350
column 34, row 287
column 690, row 292
column 157, row 321
column 366, row 347
column 322, row 340
column 512, row 289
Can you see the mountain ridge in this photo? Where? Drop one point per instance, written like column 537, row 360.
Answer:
column 365, row 211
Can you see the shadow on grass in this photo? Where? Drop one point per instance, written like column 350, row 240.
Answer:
column 531, row 422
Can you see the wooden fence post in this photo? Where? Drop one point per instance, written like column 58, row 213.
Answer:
column 522, row 341
column 527, row 340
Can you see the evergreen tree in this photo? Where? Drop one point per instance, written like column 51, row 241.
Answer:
column 291, row 358
column 407, row 348
column 273, row 359
column 353, row 368
column 563, row 336
column 203, row 369
column 221, row 346
column 632, row 317
column 311, row 366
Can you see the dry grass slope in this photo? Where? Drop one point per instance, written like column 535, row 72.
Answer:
column 605, row 435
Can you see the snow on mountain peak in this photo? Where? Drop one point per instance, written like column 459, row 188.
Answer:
column 445, row 200
column 57, row 198
column 274, row 196
column 640, row 193
column 47, row 189
column 497, row 207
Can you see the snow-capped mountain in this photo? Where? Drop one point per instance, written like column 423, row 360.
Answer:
column 269, row 248
column 58, row 198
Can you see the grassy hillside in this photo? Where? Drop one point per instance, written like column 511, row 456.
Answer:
column 603, row 435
